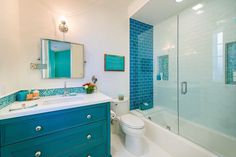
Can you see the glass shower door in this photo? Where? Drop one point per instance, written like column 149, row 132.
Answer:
column 207, row 75
column 165, row 74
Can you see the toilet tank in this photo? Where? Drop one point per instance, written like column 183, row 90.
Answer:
column 120, row 107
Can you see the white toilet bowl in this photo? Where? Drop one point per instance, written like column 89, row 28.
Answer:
column 133, row 127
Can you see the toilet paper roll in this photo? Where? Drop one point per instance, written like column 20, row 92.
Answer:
column 113, row 115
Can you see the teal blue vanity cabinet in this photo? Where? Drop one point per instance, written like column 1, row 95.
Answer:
column 76, row 132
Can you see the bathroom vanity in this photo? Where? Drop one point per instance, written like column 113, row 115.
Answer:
column 58, row 127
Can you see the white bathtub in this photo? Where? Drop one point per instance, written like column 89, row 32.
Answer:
column 178, row 146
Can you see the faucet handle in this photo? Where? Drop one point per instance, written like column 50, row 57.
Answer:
column 65, row 89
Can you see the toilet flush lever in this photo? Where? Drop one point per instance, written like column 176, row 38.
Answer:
column 184, row 87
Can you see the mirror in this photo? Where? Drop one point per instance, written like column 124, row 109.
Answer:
column 63, row 59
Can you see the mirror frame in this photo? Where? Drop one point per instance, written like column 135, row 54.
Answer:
column 41, row 59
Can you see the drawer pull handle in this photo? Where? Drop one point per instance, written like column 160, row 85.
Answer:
column 38, row 128
column 37, row 154
column 89, row 137
column 89, row 116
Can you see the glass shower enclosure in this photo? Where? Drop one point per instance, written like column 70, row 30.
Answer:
column 195, row 75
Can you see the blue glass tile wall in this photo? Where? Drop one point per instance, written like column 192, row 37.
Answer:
column 141, row 64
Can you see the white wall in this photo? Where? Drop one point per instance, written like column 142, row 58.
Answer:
column 9, row 10
column 102, row 28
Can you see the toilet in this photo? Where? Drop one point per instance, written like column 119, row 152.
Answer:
column 131, row 125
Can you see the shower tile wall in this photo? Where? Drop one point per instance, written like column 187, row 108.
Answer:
column 141, row 64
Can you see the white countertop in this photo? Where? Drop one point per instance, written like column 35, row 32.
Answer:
column 52, row 103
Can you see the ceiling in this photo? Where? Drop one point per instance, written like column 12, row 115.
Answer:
column 156, row 11
column 71, row 7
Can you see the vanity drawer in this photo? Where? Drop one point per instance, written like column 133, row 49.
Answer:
column 19, row 129
column 98, row 151
column 75, row 142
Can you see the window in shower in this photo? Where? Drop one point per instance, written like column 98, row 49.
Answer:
column 218, row 58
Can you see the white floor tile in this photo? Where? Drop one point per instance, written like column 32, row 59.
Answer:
column 151, row 150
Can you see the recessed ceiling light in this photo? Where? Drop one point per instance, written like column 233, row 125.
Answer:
column 200, row 12
column 178, row 1
column 197, row 7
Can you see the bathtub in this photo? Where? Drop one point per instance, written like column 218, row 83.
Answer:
column 159, row 122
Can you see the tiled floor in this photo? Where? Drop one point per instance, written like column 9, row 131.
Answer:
column 152, row 149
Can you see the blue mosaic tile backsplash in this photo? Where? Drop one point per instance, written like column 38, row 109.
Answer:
column 60, row 91
column 7, row 100
column 141, row 64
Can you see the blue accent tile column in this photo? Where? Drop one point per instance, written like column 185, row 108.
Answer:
column 141, row 64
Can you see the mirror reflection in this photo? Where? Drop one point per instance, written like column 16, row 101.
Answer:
column 63, row 59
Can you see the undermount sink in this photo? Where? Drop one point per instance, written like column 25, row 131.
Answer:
column 63, row 99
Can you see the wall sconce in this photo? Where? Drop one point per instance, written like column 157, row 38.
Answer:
column 63, row 27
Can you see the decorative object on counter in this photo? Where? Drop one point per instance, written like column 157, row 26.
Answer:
column 121, row 97
column 114, row 63
column 30, row 96
column 36, row 94
column 21, row 95
column 89, row 87
column 230, row 66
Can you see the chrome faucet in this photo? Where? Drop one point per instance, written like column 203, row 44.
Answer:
column 65, row 90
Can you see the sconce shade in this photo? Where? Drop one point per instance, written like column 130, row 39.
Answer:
column 63, row 27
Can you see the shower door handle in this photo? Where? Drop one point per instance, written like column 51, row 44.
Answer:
column 184, row 88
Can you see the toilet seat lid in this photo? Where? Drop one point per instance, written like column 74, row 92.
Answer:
column 132, row 121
